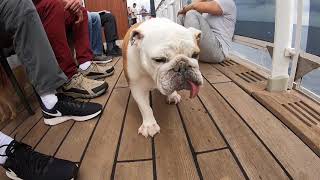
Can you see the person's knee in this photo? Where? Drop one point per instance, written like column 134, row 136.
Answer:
column 192, row 13
column 94, row 17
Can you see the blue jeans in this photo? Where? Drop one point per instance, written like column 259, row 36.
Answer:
column 95, row 33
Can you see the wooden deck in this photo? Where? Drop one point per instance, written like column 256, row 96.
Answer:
column 224, row 133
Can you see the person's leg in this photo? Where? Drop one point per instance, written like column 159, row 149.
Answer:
column 210, row 48
column 90, row 17
column 95, row 34
column 109, row 24
column 80, row 34
column 31, row 44
column 21, row 20
column 52, row 15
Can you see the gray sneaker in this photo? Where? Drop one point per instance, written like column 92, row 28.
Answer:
column 80, row 86
column 102, row 59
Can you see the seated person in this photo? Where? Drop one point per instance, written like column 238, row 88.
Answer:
column 57, row 16
column 216, row 19
column 108, row 21
column 21, row 24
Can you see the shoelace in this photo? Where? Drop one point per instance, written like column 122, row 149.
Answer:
column 28, row 163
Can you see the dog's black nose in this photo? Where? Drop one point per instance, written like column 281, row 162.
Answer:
column 181, row 67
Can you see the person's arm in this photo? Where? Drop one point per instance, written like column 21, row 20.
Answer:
column 211, row 7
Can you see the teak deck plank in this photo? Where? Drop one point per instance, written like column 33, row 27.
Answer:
column 204, row 135
column 23, row 129
column 173, row 156
column 212, row 74
column 253, row 156
column 52, row 140
column 280, row 105
column 219, row 165
column 76, row 141
column 133, row 146
column 280, row 140
column 134, row 171
column 99, row 158
column 36, row 133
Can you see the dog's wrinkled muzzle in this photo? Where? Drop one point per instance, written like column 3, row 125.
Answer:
column 182, row 75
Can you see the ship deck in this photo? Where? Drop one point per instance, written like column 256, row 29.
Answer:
column 234, row 129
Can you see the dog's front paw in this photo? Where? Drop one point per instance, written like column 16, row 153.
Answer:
column 147, row 129
column 174, row 98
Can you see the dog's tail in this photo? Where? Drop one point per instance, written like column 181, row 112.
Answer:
column 4, row 81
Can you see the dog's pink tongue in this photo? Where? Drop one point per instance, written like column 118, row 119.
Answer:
column 194, row 89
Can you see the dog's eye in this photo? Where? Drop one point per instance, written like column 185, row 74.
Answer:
column 160, row 59
column 195, row 55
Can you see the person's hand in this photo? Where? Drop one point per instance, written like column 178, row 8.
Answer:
column 80, row 17
column 185, row 9
column 72, row 5
column 181, row 11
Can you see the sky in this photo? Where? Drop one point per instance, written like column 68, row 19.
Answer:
column 145, row 3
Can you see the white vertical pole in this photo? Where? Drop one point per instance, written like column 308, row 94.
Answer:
column 297, row 42
column 282, row 43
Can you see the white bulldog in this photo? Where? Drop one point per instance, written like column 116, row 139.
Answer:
column 160, row 54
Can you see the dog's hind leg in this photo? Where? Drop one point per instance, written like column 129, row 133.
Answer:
column 149, row 126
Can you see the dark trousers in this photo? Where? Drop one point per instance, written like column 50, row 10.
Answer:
column 108, row 21
column 20, row 21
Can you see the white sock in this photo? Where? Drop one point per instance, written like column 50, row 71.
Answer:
column 85, row 65
column 49, row 100
column 4, row 140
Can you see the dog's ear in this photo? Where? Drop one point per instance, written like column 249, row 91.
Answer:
column 197, row 34
column 136, row 37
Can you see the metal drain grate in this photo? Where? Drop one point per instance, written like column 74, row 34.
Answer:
column 251, row 77
column 303, row 112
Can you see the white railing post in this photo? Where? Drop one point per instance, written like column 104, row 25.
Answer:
column 282, row 52
column 297, row 43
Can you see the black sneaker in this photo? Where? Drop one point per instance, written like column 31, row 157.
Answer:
column 69, row 109
column 23, row 163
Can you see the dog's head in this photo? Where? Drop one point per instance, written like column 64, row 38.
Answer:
column 169, row 54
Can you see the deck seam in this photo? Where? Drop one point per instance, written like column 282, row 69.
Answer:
column 221, row 82
column 64, row 138
column 212, row 150
column 35, row 146
column 134, row 160
column 119, row 140
column 153, row 147
column 225, row 140
column 242, row 119
column 193, row 153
